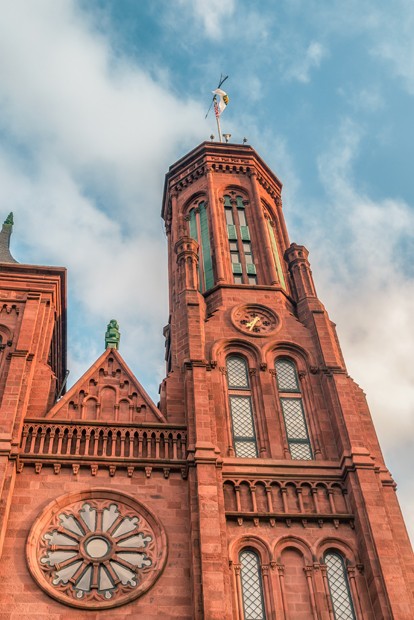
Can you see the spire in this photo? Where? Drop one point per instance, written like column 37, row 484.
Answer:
column 5, row 233
column 112, row 335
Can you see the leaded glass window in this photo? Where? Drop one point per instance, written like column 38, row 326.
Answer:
column 252, row 589
column 240, row 247
column 339, row 587
column 241, row 409
column 292, row 409
column 200, row 232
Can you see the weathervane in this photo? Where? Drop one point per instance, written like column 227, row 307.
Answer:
column 219, row 102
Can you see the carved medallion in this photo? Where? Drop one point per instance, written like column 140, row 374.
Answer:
column 96, row 550
column 254, row 319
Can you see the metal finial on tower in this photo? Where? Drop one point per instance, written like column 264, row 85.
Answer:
column 220, row 101
column 112, row 335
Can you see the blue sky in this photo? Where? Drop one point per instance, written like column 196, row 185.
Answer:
column 98, row 98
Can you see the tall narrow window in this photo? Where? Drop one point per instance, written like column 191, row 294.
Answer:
column 252, row 589
column 275, row 251
column 241, row 410
column 241, row 254
column 292, row 408
column 199, row 231
column 339, row 587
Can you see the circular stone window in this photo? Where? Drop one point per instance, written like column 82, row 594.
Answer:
column 97, row 549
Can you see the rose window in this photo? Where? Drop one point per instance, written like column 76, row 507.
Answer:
column 97, row 550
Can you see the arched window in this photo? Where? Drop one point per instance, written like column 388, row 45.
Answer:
column 292, row 408
column 199, row 231
column 275, row 249
column 339, row 587
column 241, row 254
column 240, row 398
column 251, row 583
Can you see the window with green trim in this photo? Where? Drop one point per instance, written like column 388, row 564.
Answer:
column 240, row 246
column 275, row 251
column 200, row 232
column 290, row 397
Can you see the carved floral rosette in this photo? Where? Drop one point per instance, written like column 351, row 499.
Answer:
column 96, row 549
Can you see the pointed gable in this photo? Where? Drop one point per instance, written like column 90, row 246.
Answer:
column 108, row 392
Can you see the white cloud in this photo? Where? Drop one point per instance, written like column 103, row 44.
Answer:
column 304, row 63
column 368, row 294
column 98, row 135
column 213, row 15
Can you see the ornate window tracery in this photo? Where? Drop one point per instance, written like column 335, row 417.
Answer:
column 241, row 408
column 241, row 253
column 343, row 608
column 251, row 585
column 290, row 397
column 100, row 550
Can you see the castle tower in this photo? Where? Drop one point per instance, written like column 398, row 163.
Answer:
column 287, row 482
column 255, row 489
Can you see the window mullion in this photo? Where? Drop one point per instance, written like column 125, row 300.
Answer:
column 240, row 242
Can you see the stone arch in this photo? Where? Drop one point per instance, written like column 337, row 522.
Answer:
column 246, row 502
column 290, row 350
column 259, row 487
column 124, row 410
column 108, row 400
column 225, row 346
column 322, row 498
column 238, row 189
column 297, row 595
column 293, row 542
column 229, row 491
column 5, row 334
column 349, row 553
column 338, row 496
column 193, row 202
column 253, row 542
column 307, row 497
column 90, row 408
column 292, row 496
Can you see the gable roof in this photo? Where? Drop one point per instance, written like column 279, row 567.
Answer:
column 108, row 392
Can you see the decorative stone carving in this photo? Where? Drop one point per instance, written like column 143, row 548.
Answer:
column 97, row 549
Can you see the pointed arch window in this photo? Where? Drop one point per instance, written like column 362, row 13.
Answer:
column 251, row 585
column 290, row 397
column 240, row 246
column 199, row 231
column 271, row 228
column 241, row 409
column 339, row 586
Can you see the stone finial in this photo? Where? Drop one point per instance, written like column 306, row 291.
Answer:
column 5, row 233
column 112, row 335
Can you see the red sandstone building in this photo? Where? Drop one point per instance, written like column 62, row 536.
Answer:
column 256, row 489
